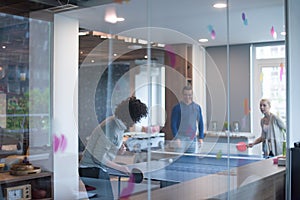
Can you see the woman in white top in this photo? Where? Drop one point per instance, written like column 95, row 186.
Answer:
column 273, row 131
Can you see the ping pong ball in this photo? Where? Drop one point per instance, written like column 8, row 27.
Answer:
column 170, row 160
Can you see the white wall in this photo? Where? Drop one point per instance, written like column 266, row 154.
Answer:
column 65, row 102
column 156, row 84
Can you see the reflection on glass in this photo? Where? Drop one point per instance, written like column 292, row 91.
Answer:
column 235, row 126
column 181, row 60
column 24, row 86
column 214, row 125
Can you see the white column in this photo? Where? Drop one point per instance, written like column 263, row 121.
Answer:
column 65, row 103
column 199, row 79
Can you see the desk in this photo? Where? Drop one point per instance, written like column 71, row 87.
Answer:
column 41, row 180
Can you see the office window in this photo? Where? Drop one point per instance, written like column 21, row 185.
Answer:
column 272, row 77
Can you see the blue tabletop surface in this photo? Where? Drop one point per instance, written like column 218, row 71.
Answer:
column 183, row 168
column 189, row 167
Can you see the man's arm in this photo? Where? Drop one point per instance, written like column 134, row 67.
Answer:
column 200, row 126
column 175, row 117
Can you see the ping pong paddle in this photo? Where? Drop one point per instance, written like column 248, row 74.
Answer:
column 241, row 146
column 137, row 175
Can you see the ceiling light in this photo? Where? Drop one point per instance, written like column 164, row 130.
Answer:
column 203, row 40
column 134, row 47
column 111, row 16
column 114, row 19
column 120, row 19
column 160, row 45
column 83, row 33
column 142, row 41
column 283, row 33
column 220, row 5
column 128, row 39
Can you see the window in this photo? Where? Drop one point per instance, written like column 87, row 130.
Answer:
column 269, row 81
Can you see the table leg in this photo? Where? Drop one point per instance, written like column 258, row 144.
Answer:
column 119, row 187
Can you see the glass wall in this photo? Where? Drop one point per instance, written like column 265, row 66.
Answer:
column 190, row 63
column 153, row 56
column 25, row 100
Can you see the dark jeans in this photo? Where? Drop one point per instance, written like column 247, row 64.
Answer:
column 104, row 181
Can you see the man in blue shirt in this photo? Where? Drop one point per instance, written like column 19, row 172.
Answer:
column 186, row 121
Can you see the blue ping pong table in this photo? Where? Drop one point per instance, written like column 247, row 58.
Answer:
column 188, row 167
column 181, row 168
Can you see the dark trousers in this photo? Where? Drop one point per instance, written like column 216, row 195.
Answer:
column 104, row 181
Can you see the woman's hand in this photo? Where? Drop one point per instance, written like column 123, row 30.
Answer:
column 250, row 145
column 117, row 166
column 124, row 168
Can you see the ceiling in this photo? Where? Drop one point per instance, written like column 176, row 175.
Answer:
column 25, row 7
column 171, row 23
column 21, row 7
column 188, row 21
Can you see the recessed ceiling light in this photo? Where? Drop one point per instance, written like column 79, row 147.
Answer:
column 203, row 40
column 142, row 41
column 83, row 33
column 120, row 19
column 113, row 19
column 283, row 33
column 134, row 47
column 220, row 5
column 111, row 16
column 160, row 45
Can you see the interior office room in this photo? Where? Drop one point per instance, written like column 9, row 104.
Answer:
column 67, row 65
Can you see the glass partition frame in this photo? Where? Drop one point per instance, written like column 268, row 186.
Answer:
column 231, row 123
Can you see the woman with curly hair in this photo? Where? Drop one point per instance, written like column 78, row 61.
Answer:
column 106, row 140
